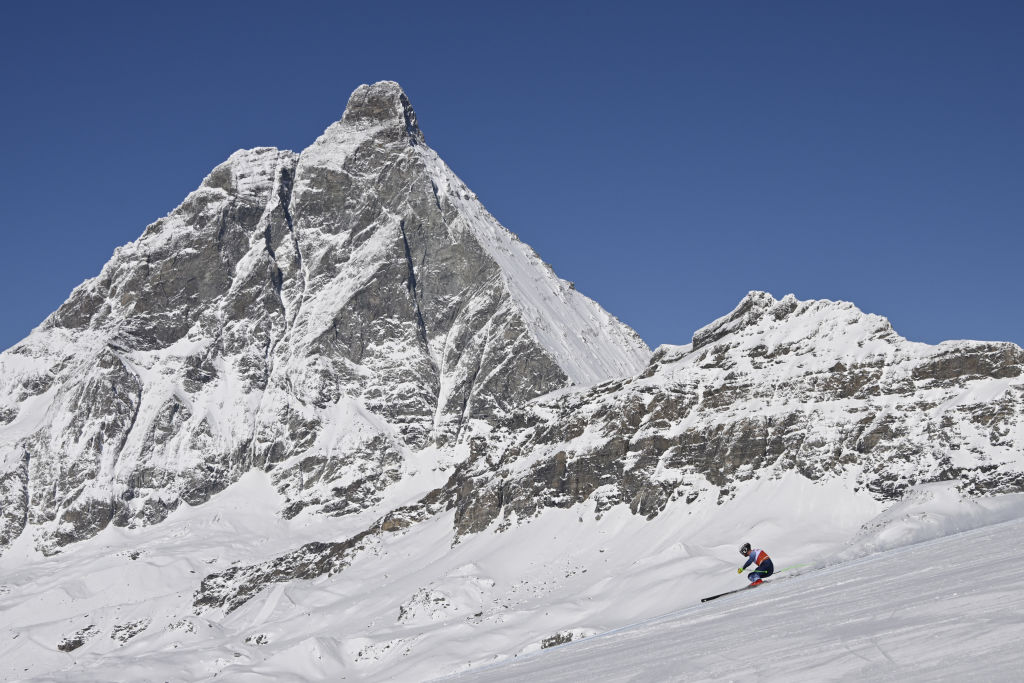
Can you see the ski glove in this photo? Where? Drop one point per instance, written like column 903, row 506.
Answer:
column 740, row 570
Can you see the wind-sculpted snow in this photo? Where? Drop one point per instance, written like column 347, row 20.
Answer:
column 325, row 315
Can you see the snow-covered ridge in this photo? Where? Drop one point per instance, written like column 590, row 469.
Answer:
column 588, row 343
column 815, row 386
column 760, row 311
column 250, row 172
column 762, row 331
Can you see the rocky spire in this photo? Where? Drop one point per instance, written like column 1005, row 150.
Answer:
column 383, row 104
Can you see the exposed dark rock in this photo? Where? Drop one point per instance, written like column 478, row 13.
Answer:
column 560, row 638
column 78, row 639
column 125, row 632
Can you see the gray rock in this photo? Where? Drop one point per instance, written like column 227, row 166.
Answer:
column 816, row 387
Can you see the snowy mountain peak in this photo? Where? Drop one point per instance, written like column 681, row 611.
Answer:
column 380, row 114
column 789, row 319
column 751, row 309
column 328, row 316
column 382, row 105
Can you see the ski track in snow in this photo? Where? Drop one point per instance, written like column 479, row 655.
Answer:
column 946, row 609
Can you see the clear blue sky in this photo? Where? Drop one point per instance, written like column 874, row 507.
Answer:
column 667, row 157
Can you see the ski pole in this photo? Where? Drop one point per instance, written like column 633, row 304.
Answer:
column 784, row 569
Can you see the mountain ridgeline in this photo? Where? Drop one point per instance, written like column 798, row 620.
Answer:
column 346, row 317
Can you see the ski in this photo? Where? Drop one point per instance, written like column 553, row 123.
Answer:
column 712, row 597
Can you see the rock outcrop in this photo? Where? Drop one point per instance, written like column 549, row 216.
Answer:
column 815, row 386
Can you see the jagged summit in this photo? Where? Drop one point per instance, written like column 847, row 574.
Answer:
column 759, row 311
column 750, row 309
column 380, row 113
column 383, row 104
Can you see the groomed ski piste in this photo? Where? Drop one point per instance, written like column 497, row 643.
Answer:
column 950, row 609
column 925, row 589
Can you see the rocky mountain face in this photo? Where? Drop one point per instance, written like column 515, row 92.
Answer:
column 815, row 386
column 776, row 386
column 329, row 316
column 351, row 319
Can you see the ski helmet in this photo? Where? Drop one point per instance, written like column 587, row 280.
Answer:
column 745, row 549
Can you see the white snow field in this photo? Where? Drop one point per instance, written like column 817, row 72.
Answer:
column 882, row 594
column 951, row 609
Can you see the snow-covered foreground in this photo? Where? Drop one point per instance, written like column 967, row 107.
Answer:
column 413, row 606
column 948, row 609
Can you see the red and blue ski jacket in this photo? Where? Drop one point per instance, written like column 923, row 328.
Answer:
column 758, row 557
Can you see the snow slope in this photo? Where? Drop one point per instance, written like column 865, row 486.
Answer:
column 412, row 606
column 946, row 609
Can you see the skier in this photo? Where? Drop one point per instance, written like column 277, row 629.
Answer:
column 760, row 559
